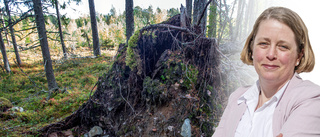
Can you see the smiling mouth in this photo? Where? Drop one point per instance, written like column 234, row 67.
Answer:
column 270, row 67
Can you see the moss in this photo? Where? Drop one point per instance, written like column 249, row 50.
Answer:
column 133, row 128
column 133, row 59
column 146, row 33
column 24, row 116
column 206, row 127
column 210, row 88
column 172, row 72
column 154, row 35
column 119, row 55
column 150, row 33
column 4, row 104
column 39, row 111
column 154, row 91
column 190, row 76
column 6, row 116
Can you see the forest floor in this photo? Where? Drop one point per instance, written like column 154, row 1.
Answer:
column 26, row 88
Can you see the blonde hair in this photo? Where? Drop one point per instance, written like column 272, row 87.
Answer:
column 295, row 23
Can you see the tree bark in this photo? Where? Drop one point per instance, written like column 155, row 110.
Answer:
column 60, row 30
column 14, row 42
column 5, row 30
column 212, row 29
column 95, row 35
column 4, row 54
column 199, row 6
column 189, row 8
column 129, row 19
column 203, row 23
column 196, row 11
column 44, row 45
column 183, row 17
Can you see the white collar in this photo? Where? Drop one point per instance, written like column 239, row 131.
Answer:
column 253, row 93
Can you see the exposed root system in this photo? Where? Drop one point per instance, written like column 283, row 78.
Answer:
column 165, row 74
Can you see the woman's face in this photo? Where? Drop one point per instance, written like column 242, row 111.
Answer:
column 274, row 52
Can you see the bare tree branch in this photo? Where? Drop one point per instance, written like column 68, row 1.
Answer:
column 165, row 26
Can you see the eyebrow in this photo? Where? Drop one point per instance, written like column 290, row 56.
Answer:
column 283, row 41
column 263, row 38
column 268, row 39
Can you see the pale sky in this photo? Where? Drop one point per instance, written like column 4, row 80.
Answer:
column 104, row 6
column 307, row 9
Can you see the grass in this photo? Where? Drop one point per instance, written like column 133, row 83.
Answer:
column 75, row 78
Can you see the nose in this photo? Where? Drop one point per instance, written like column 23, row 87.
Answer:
column 272, row 53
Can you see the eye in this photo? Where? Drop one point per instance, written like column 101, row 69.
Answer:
column 283, row 47
column 263, row 44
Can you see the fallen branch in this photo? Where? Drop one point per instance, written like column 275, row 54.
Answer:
column 165, row 26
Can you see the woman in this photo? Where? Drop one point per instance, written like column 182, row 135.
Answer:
column 280, row 103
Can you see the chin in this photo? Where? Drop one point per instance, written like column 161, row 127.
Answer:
column 269, row 76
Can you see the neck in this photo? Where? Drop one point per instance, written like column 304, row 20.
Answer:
column 267, row 90
column 270, row 87
column 266, row 93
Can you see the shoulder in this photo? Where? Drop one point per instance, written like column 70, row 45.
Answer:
column 300, row 110
column 305, row 89
column 306, row 84
column 303, row 92
column 301, row 89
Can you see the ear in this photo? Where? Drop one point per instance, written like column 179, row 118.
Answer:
column 300, row 55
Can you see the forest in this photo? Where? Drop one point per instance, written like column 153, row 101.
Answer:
column 143, row 72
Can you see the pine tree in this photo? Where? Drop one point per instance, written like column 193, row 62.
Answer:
column 129, row 19
column 13, row 38
column 52, row 85
column 60, row 29
column 95, row 35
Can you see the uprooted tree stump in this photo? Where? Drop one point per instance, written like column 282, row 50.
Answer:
column 166, row 73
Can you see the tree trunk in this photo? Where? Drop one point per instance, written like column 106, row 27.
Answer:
column 95, row 36
column 129, row 19
column 196, row 11
column 3, row 48
column 203, row 23
column 15, row 46
column 4, row 55
column 199, row 6
column 60, row 30
column 212, row 29
column 44, row 45
column 238, row 29
column 5, row 30
column 189, row 8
